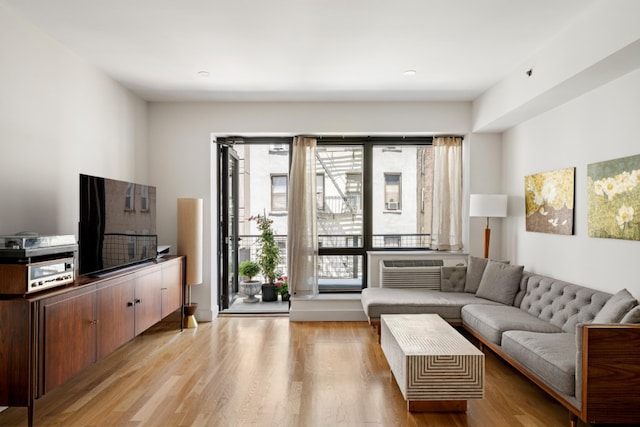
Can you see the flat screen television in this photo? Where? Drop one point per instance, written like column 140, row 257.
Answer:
column 117, row 226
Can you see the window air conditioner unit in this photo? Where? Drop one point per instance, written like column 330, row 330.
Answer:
column 392, row 206
column 279, row 147
column 411, row 273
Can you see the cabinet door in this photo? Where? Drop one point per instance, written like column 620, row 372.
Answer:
column 69, row 333
column 171, row 287
column 148, row 300
column 15, row 352
column 115, row 308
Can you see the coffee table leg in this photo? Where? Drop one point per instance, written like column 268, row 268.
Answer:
column 437, row 405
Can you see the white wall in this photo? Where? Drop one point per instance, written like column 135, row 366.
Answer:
column 600, row 125
column 59, row 117
column 182, row 157
column 595, row 47
column 482, row 155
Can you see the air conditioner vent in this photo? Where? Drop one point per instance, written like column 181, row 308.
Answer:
column 413, row 263
column 423, row 274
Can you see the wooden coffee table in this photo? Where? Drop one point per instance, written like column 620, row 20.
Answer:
column 436, row 368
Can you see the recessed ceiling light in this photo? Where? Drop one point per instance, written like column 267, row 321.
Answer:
column 410, row 73
column 204, row 73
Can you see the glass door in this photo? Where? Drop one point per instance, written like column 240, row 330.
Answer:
column 229, row 209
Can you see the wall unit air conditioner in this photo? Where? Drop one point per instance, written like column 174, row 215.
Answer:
column 275, row 148
column 419, row 273
column 392, row 206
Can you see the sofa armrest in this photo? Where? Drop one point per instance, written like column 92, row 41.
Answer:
column 610, row 373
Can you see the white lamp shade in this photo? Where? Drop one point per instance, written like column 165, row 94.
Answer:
column 488, row 205
column 190, row 237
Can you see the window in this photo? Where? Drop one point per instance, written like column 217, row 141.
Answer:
column 341, row 219
column 144, row 198
column 320, row 191
column 392, row 194
column 371, row 193
column 279, row 193
column 401, row 202
column 354, row 190
column 130, row 198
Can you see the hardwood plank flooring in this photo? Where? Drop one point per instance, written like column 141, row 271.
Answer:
column 251, row 371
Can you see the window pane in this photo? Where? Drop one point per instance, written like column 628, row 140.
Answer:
column 340, row 273
column 354, row 190
column 392, row 194
column 320, row 191
column 401, row 199
column 278, row 192
column 340, row 222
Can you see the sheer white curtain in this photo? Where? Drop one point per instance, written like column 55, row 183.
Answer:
column 446, row 231
column 302, row 236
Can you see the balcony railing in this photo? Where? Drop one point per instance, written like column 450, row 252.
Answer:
column 335, row 266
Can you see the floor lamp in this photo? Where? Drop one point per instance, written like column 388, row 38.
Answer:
column 489, row 206
column 190, row 245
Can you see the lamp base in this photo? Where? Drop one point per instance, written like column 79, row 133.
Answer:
column 487, row 239
column 190, row 318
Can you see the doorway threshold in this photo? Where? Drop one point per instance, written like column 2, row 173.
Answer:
column 239, row 307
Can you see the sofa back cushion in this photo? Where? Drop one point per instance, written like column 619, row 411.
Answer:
column 560, row 303
column 500, row 282
column 452, row 279
column 475, row 268
column 616, row 308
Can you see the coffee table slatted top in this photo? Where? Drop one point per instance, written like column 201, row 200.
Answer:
column 427, row 334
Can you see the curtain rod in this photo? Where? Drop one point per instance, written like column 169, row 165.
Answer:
column 334, row 139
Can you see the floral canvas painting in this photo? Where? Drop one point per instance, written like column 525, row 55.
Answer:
column 613, row 189
column 549, row 201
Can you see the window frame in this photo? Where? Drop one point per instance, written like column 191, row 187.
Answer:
column 368, row 144
column 393, row 144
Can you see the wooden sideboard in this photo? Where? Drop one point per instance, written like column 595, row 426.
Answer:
column 48, row 337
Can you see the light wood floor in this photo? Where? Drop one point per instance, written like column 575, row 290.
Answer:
column 268, row 372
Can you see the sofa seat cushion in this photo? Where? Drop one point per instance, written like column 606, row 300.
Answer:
column 551, row 357
column 492, row 321
column 378, row 301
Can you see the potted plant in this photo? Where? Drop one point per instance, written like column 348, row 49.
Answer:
column 250, row 287
column 268, row 256
column 282, row 287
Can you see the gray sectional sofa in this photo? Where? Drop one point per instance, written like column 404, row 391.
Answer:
column 580, row 345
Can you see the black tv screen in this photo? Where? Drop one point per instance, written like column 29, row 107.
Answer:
column 117, row 224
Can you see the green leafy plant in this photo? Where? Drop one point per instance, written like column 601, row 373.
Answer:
column 268, row 250
column 249, row 268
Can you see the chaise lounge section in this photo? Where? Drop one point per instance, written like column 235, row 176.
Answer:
column 576, row 343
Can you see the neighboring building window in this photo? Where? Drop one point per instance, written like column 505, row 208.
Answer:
column 392, row 191
column 144, row 198
column 130, row 198
column 354, row 190
column 320, row 191
column 279, row 193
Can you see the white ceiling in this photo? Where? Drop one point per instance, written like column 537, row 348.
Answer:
column 303, row 50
